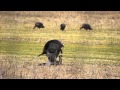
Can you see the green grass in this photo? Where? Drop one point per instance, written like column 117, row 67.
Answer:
column 77, row 45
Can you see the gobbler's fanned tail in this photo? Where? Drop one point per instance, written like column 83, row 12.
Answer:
column 40, row 54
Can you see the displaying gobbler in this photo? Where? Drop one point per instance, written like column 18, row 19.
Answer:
column 52, row 50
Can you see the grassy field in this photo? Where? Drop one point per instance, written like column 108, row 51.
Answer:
column 93, row 54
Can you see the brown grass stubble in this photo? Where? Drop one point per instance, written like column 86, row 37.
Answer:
column 29, row 69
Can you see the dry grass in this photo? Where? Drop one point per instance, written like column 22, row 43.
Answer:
column 27, row 68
